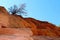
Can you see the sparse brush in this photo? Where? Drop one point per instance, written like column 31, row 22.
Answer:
column 15, row 10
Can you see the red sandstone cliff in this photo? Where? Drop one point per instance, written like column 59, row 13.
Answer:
column 43, row 28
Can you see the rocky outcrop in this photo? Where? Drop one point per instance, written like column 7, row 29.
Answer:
column 39, row 28
column 44, row 27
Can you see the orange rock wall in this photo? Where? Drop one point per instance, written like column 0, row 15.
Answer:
column 37, row 27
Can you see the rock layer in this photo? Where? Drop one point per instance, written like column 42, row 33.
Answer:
column 42, row 28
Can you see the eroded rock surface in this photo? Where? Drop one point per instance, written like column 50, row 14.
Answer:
column 15, row 34
column 11, row 25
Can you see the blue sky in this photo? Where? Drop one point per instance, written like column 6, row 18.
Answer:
column 45, row 10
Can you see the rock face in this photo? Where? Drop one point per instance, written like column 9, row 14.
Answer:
column 11, row 24
column 15, row 34
column 14, row 31
column 4, row 18
column 44, row 28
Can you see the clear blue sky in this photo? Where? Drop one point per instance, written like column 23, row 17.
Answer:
column 46, row 10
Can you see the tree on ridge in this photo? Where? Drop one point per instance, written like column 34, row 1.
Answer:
column 15, row 10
